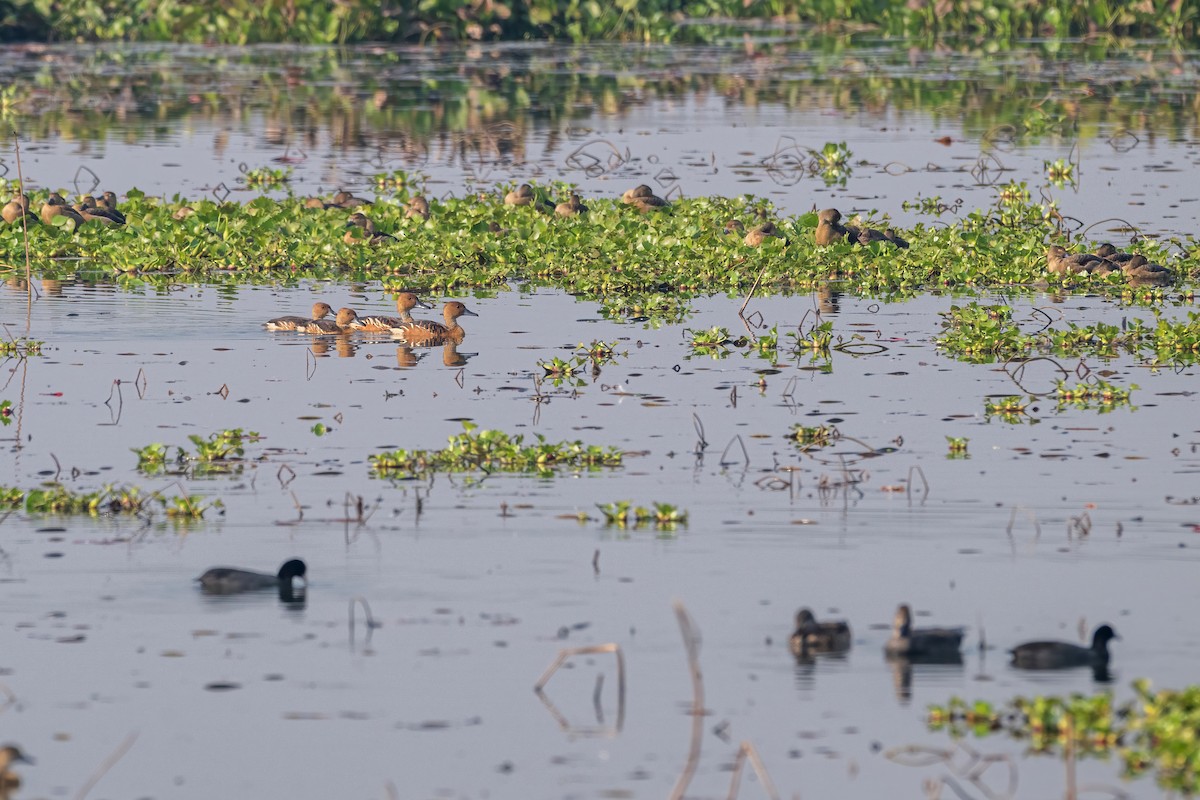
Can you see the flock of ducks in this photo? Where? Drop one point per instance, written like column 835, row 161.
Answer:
column 811, row 637
column 1105, row 259
column 830, row 229
column 403, row 326
column 907, row 644
column 940, row 645
column 103, row 211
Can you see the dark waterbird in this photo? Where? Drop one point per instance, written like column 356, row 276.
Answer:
column 230, row 580
column 917, row 643
column 819, row 637
column 1062, row 655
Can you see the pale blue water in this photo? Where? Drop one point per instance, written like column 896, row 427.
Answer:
column 472, row 601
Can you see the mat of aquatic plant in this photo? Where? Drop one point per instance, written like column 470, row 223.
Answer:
column 612, row 251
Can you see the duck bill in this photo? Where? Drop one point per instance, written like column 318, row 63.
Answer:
column 469, row 313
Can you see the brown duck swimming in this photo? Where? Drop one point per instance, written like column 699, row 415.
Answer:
column 818, row 637
column 319, row 311
column 405, row 303
column 1061, row 655
column 915, row 643
column 343, row 323
column 422, row 331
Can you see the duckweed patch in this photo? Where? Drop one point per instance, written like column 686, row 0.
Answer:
column 482, row 450
column 665, row 517
column 1155, row 731
column 1100, row 395
column 220, row 452
column 1010, row 409
column 654, row 262
column 54, row 498
column 20, row 347
column 986, row 333
column 956, row 447
column 266, row 177
column 814, row 436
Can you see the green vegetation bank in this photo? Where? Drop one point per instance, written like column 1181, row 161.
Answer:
column 349, row 21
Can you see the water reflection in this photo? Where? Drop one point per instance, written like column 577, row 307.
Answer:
column 347, row 345
column 294, row 598
column 808, row 663
column 935, row 668
column 342, row 344
column 491, row 97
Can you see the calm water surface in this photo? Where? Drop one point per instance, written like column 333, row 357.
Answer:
column 103, row 635
column 477, row 582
